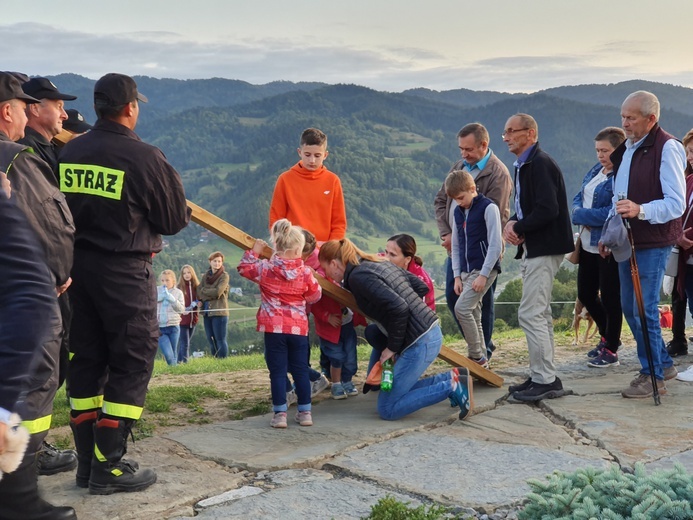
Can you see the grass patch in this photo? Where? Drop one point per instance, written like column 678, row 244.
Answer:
column 210, row 365
column 161, row 398
column 389, row 508
column 245, row 408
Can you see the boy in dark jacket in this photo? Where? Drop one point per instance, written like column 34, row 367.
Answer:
column 476, row 250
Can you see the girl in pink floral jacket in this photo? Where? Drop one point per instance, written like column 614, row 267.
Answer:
column 286, row 286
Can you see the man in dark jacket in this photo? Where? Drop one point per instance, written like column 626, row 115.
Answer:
column 44, row 122
column 44, row 119
column 28, row 298
column 540, row 228
column 124, row 195
column 493, row 181
column 35, row 191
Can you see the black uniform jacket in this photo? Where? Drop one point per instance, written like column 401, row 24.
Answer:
column 28, row 297
column 35, row 190
column 123, row 193
column 43, row 148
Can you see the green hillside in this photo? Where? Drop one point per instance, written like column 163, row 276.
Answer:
column 230, row 140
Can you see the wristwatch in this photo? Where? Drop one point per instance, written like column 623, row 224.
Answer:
column 641, row 213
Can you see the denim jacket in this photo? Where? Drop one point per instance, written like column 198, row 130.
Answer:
column 594, row 217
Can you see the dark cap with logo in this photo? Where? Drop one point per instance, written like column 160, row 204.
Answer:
column 43, row 88
column 11, row 88
column 116, row 90
column 75, row 122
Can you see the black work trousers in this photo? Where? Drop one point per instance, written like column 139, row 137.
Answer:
column 114, row 333
column 599, row 290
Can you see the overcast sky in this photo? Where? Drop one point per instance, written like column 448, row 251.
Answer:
column 388, row 45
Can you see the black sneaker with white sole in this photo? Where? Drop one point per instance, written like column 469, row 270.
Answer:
column 538, row 391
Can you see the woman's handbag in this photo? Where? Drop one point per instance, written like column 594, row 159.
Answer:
column 574, row 257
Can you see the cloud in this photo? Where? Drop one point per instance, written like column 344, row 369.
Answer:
column 42, row 49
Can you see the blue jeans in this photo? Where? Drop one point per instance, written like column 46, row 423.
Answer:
column 186, row 334
column 409, row 393
column 488, row 311
column 215, row 329
column 342, row 354
column 287, row 352
column 168, row 343
column 651, row 264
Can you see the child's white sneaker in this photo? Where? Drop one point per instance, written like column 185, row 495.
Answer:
column 279, row 420
column 304, row 418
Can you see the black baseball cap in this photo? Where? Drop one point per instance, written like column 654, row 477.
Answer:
column 75, row 122
column 115, row 90
column 11, row 88
column 43, row 88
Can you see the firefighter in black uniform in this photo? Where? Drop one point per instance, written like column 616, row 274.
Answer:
column 36, row 194
column 45, row 121
column 28, row 297
column 123, row 195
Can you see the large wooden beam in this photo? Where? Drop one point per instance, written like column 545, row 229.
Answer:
column 245, row 241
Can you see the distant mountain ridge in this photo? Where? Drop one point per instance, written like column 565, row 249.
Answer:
column 231, row 139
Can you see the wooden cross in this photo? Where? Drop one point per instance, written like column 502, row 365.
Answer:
column 243, row 240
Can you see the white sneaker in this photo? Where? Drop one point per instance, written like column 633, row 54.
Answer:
column 291, row 398
column 686, row 375
column 318, row 386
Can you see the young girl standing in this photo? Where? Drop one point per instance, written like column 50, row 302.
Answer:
column 286, row 285
column 170, row 305
column 188, row 285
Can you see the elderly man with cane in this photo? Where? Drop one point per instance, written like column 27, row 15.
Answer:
column 649, row 192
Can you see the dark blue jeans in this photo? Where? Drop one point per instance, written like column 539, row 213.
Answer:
column 342, row 354
column 186, row 334
column 287, row 353
column 409, row 393
column 215, row 329
column 488, row 312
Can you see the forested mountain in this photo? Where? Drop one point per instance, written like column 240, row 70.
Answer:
column 462, row 97
column 679, row 99
column 231, row 139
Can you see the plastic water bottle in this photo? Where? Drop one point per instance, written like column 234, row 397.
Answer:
column 388, row 376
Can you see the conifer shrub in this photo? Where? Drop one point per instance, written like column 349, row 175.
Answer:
column 611, row 494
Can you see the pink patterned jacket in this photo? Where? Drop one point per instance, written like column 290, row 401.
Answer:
column 285, row 286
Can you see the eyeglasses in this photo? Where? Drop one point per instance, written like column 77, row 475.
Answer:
column 511, row 131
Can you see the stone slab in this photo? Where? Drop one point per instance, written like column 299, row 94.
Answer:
column 630, row 429
column 447, row 465
column 312, row 497
column 182, row 481
column 338, row 426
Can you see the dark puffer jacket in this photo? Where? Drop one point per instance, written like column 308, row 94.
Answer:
column 394, row 298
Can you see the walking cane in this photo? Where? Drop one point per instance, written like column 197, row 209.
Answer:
column 637, row 290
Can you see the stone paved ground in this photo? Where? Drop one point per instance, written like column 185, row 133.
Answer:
column 350, row 458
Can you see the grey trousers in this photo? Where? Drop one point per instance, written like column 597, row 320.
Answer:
column 535, row 316
column 468, row 312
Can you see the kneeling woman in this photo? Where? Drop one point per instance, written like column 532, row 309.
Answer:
column 393, row 298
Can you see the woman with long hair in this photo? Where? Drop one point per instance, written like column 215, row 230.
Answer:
column 410, row 330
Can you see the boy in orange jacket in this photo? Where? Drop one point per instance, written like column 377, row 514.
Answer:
column 310, row 195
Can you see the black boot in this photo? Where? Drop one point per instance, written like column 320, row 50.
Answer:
column 50, row 460
column 20, row 500
column 83, row 431
column 110, row 473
